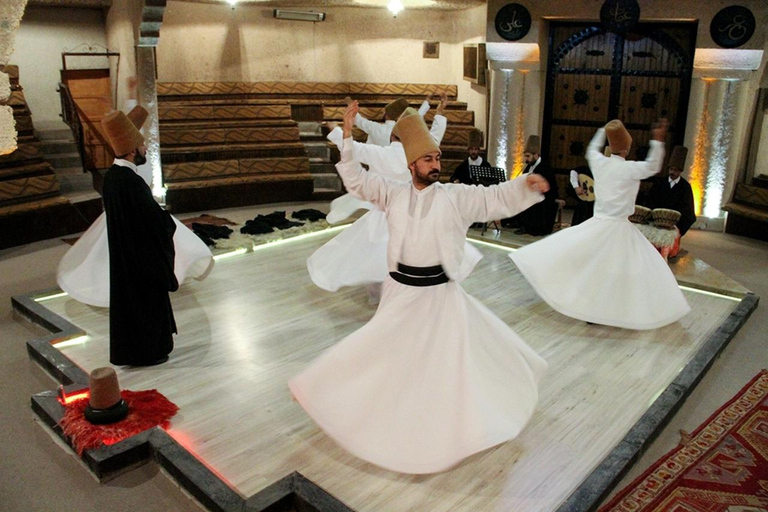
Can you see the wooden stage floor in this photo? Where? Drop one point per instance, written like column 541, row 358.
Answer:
column 257, row 320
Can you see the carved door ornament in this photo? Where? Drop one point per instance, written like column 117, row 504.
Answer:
column 513, row 21
column 619, row 15
column 732, row 27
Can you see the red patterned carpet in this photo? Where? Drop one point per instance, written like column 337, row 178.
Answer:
column 722, row 468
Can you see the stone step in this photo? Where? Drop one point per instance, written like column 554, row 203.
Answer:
column 73, row 183
column 317, row 150
column 309, row 128
column 61, row 146
column 325, row 194
column 319, row 166
column 69, row 171
column 327, row 181
column 64, row 160
column 81, row 196
column 312, row 137
column 54, row 134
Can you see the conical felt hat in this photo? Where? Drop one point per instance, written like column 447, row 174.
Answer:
column 121, row 132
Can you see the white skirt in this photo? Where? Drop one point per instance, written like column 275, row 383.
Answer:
column 606, row 272
column 358, row 255
column 84, row 270
column 434, row 377
column 344, row 206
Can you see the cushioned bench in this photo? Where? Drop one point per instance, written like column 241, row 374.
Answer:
column 748, row 212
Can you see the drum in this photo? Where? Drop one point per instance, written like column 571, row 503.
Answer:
column 664, row 218
column 641, row 216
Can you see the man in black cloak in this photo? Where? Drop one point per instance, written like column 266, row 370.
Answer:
column 674, row 192
column 461, row 173
column 539, row 219
column 141, row 252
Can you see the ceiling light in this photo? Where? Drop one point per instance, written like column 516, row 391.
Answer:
column 298, row 15
column 395, row 6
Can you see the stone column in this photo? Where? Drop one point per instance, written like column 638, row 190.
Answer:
column 514, row 102
column 717, row 126
column 147, row 91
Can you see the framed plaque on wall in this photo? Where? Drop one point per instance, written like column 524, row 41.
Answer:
column 619, row 15
column 732, row 26
column 474, row 63
column 513, row 21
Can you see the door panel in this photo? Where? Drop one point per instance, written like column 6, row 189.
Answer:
column 594, row 76
column 582, row 97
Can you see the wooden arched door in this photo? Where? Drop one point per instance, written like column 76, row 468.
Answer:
column 594, row 76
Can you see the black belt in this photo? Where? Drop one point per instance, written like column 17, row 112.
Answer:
column 419, row 276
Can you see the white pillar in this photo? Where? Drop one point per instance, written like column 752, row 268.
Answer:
column 717, row 126
column 514, row 102
column 147, row 90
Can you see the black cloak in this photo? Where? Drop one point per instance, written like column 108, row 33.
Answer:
column 141, row 259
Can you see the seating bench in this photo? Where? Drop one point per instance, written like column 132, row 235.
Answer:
column 748, row 212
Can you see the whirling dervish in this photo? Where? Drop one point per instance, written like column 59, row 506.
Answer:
column 604, row 271
column 434, row 376
column 357, row 256
column 83, row 272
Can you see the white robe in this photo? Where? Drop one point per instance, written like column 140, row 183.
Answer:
column 358, row 255
column 379, row 133
column 83, row 271
column 434, row 376
column 604, row 270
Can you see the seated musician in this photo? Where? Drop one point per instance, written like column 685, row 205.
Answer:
column 585, row 206
column 674, row 192
column 461, row 174
column 539, row 219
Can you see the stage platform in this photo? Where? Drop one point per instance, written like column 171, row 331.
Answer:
column 240, row 443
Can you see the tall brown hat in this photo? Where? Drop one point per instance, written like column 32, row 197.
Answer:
column 138, row 116
column 618, row 137
column 533, row 145
column 123, row 136
column 679, row 154
column 106, row 405
column 410, row 111
column 475, row 138
column 414, row 135
column 396, row 108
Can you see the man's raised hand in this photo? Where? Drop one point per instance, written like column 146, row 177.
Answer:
column 537, row 182
column 349, row 117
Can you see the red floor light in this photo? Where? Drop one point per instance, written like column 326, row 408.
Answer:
column 67, row 398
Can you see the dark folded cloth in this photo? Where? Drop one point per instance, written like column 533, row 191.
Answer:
column 208, row 233
column 309, row 214
column 266, row 223
column 256, row 227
